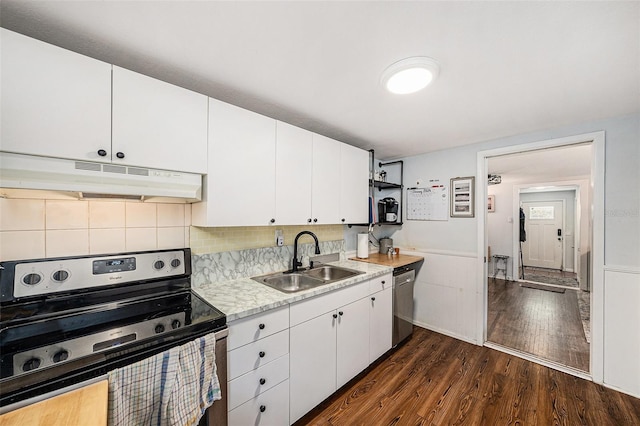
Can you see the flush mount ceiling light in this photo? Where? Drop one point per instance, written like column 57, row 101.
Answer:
column 410, row 75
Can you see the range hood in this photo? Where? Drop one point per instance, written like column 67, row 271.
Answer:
column 92, row 179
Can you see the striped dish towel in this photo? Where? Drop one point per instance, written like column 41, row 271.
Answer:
column 172, row 388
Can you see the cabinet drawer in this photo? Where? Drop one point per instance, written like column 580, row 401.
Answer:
column 255, row 382
column 256, row 354
column 270, row 408
column 381, row 283
column 255, row 327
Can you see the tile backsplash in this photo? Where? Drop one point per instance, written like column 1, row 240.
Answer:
column 36, row 228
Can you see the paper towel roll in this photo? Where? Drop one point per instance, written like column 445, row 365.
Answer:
column 363, row 246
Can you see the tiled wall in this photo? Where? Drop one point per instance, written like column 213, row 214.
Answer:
column 216, row 240
column 36, row 228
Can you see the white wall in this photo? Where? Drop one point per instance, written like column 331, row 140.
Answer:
column 457, row 238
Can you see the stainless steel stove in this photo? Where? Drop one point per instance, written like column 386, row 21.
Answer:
column 66, row 321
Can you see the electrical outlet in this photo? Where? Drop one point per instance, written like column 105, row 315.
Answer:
column 279, row 238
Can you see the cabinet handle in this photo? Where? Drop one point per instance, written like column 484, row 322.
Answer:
column 315, row 220
column 261, row 326
column 373, row 299
column 262, row 408
column 340, row 313
column 261, row 354
column 263, row 381
column 309, row 220
column 343, row 219
column 120, row 155
column 383, row 281
column 102, row 153
column 272, row 221
column 335, row 315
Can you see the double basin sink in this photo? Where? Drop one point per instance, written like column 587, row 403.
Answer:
column 292, row 282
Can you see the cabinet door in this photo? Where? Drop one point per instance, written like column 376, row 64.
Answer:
column 293, row 174
column 352, row 340
column 326, row 180
column 54, row 102
column 312, row 373
column 354, row 185
column 157, row 124
column 240, row 185
column 380, row 323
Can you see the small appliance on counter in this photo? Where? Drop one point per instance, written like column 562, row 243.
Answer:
column 385, row 245
column 388, row 210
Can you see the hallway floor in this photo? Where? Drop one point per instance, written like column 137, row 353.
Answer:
column 538, row 322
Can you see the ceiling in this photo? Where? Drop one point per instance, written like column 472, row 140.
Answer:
column 506, row 67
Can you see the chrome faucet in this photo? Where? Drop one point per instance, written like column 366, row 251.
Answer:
column 296, row 262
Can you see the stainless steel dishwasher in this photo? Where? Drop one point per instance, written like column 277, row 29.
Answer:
column 403, row 281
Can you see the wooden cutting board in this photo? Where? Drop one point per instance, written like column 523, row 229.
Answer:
column 395, row 261
column 84, row 406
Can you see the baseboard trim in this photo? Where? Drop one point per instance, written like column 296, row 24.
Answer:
column 446, row 332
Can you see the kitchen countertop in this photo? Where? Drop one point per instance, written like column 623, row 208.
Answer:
column 395, row 261
column 244, row 297
column 84, row 406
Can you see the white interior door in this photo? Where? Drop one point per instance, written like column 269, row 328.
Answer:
column 543, row 224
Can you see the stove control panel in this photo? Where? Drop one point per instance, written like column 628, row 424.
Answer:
column 69, row 350
column 34, row 278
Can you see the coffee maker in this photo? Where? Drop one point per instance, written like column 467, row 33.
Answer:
column 388, row 210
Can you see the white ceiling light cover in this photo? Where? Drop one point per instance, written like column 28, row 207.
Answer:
column 410, row 75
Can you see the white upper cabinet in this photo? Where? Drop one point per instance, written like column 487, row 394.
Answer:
column 54, row 102
column 294, row 161
column 157, row 124
column 354, row 185
column 325, row 187
column 239, row 188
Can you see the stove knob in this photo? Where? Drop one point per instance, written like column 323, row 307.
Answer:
column 175, row 263
column 32, row 279
column 60, row 276
column 158, row 265
column 31, row 364
column 175, row 324
column 159, row 328
column 61, row 355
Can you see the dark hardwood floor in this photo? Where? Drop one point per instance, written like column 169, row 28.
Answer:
column 542, row 323
column 437, row 380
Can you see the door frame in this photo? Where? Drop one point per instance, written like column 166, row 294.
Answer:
column 597, row 181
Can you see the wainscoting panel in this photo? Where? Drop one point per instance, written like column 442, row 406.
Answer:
column 622, row 330
column 445, row 295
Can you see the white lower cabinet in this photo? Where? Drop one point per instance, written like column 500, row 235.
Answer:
column 258, row 369
column 329, row 344
column 270, row 408
column 353, row 340
column 313, row 363
column 380, row 323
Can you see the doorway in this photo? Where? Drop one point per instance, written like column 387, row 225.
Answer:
column 509, row 305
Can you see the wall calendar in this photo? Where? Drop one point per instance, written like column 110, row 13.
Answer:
column 430, row 203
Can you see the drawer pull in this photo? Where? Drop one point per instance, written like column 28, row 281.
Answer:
column 263, row 408
column 383, row 281
column 373, row 299
column 261, row 354
column 263, row 381
column 335, row 315
column 340, row 313
column 261, row 326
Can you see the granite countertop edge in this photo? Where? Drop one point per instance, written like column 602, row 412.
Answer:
column 244, row 297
